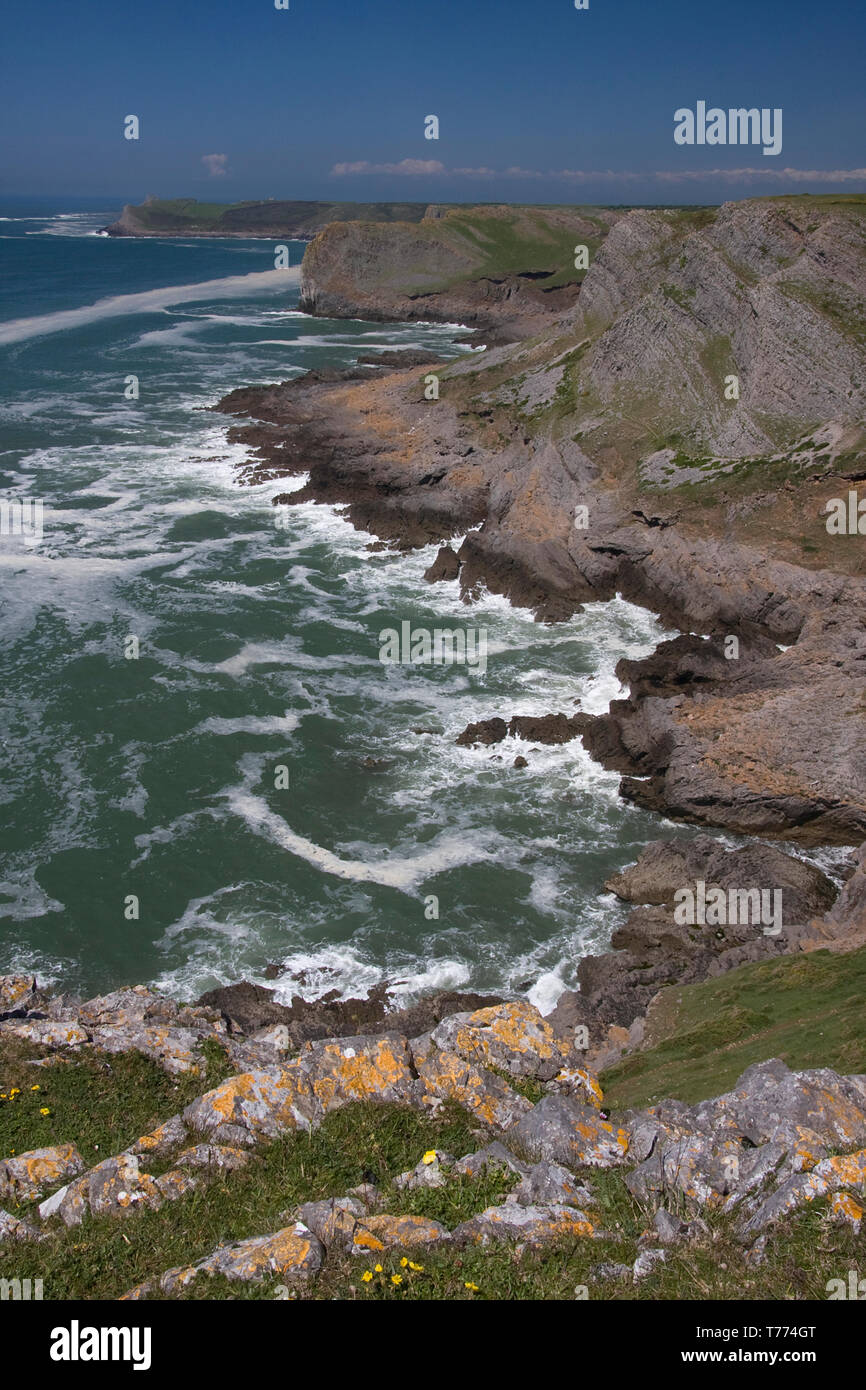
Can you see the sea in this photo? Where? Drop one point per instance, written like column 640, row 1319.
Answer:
column 208, row 773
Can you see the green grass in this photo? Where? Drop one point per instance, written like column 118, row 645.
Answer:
column 803, row 1255
column 100, row 1104
column 106, row 1256
column 806, row 1009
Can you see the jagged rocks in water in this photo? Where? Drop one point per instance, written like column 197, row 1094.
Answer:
column 445, row 566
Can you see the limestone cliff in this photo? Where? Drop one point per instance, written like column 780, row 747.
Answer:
column 675, row 436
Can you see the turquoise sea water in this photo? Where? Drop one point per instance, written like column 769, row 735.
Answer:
column 259, row 649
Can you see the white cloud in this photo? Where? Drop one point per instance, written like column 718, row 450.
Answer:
column 215, row 164
column 612, row 176
column 406, row 166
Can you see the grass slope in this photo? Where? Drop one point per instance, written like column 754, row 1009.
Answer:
column 806, row 1009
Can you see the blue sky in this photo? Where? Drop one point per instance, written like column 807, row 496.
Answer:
column 328, row 98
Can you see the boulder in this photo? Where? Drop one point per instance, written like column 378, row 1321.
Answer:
column 561, row 1130
column 531, row 1225
column 26, row 1176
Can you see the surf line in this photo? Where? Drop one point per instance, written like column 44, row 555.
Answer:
column 146, row 301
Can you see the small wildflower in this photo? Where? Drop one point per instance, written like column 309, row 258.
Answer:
column 419, row 1269
column 378, row 1268
column 396, row 1278
column 34, row 1088
column 44, row 1110
column 473, row 1288
column 429, row 1156
column 366, row 1276
column 403, row 1262
column 16, row 1091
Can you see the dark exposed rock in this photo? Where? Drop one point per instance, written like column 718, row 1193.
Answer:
column 652, row 950
column 485, row 731
column 445, row 566
column 533, row 728
column 245, row 1006
column 249, row 1007
column 545, row 728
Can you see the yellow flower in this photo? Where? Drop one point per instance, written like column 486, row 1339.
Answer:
column 16, row 1091
column 403, row 1262
column 419, row 1269
column 378, row 1268
column 429, row 1156
column 34, row 1088
column 366, row 1276
column 396, row 1278
column 45, row 1110
column 473, row 1288
column 4, row 1096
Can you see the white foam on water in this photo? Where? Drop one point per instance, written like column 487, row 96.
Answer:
column 250, row 724
column 145, row 302
column 405, row 874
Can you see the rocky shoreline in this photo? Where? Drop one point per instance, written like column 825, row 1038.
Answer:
column 751, row 721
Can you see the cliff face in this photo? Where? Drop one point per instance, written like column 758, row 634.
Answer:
column 607, row 454
column 490, row 267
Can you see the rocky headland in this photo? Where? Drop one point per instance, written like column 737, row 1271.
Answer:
column 675, row 435
column 669, row 424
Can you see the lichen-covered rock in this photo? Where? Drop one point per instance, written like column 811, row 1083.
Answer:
column 173, row 1049
column 829, row 1176
column 213, row 1156
column 845, row 1210
column 11, row 1229
column 266, row 1103
column 114, row 1187
column 547, row 1183
column 706, row 1171
column 430, row 1171
column 514, row 1037
column 844, row 1170
column 45, row 1032
column 16, row 991
column 163, row 1139
column 792, row 1194
column 271, row 1100
column 26, row 1176
column 531, row 1225
column 446, row 1076
column 579, row 1082
column 341, row 1070
column 373, row 1234
column 646, row 1263
column 293, row 1254
column 333, row 1221
column 494, row 1155
column 562, row 1130
column 768, row 1100
column 122, row 1007
column 175, row 1183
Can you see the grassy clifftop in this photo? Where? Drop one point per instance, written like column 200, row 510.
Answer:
column 270, row 217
